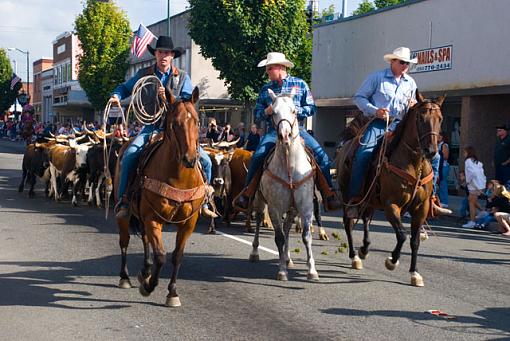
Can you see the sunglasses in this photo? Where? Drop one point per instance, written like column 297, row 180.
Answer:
column 403, row 63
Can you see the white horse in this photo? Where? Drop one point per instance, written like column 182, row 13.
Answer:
column 287, row 186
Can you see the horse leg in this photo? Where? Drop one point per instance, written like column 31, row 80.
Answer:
column 393, row 215
column 355, row 260
column 317, row 214
column 124, row 282
column 417, row 220
column 307, row 240
column 286, row 230
column 254, row 255
column 363, row 251
column 153, row 230
column 184, row 231
column 279, row 238
column 212, row 227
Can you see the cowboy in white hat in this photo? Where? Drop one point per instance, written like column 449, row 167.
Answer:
column 173, row 80
column 385, row 94
column 276, row 65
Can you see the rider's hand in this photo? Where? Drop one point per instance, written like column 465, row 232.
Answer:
column 161, row 92
column 381, row 113
column 114, row 100
column 269, row 110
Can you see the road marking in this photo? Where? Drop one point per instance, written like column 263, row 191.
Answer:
column 246, row 242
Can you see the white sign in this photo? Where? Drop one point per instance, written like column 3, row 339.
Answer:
column 433, row 59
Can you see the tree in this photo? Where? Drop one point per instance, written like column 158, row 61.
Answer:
column 104, row 32
column 364, row 7
column 328, row 12
column 367, row 6
column 7, row 95
column 237, row 34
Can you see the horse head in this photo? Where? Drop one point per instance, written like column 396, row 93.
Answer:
column 182, row 123
column 285, row 117
column 428, row 123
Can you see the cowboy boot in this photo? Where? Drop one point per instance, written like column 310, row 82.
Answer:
column 243, row 200
column 437, row 210
column 330, row 198
column 205, row 211
column 122, row 209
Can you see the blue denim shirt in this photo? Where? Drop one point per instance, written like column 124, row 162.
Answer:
column 124, row 90
column 303, row 100
column 382, row 90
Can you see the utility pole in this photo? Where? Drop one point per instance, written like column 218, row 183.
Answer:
column 168, row 20
column 344, row 8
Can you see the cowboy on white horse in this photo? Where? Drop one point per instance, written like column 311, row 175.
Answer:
column 276, row 65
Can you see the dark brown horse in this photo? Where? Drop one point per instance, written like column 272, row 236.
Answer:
column 171, row 191
column 403, row 182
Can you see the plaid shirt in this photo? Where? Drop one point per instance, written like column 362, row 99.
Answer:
column 303, row 99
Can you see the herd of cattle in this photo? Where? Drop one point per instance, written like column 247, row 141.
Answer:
column 78, row 161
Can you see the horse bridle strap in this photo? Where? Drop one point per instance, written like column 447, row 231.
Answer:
column 172, row 193
column 408, row 177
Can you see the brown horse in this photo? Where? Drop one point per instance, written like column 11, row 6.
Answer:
column 403, row 182
column 171, row 191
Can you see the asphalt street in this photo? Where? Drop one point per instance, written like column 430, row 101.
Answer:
column 59, row 270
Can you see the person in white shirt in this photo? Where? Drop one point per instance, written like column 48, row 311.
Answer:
column 476, row 182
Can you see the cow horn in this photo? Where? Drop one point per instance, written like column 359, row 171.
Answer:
column 79, row 138
column 51, row 134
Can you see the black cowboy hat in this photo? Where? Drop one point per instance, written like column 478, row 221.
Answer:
column 166, row 43
column 503, row 126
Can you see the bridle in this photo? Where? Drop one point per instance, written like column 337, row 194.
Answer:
column 171, row 127
column 284, row 120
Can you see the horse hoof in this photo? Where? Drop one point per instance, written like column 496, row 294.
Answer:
column 323, row 236
column 125, row 283
column 173, row 302
column 254, row 258
column 362, row 254
column 424, row 236
column 416, row 280
column 282, row 276
column 356, row 263
column 290, row 264
column 141, row 288
column 313, row 276
column 390, row 265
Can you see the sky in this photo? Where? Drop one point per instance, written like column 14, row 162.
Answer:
column 33, row 24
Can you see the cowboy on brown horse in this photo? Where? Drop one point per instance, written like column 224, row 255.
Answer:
column 384, row 97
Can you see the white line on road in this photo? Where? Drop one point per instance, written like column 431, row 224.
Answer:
column 246, row 242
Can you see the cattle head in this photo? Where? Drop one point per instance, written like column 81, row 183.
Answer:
column 81, row 152
column 221, row 176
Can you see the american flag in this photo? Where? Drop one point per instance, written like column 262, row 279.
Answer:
column 142, row 38
column 15, row 79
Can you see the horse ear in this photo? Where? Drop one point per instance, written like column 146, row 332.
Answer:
column 271, row 94
column 195, row 96
column 440, row 100
column 419, row 97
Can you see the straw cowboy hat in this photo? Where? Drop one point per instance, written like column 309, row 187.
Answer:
column 166, row 43
column 400, row 53
column 276, row 58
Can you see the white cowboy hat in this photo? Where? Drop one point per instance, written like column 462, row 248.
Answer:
column 400, row 53
column 276, row 58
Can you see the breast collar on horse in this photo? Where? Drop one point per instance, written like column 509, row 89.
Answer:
column 290, row 184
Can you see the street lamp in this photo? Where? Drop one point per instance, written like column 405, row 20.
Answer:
column 27, row 53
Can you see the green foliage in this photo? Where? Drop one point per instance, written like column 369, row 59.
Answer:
column 237, row 34
column 364, row 7
column 7, row 96
column 367, row 6
column 328, row 11
column 104, row 32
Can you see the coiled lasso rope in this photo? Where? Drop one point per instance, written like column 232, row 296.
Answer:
column 137, row 106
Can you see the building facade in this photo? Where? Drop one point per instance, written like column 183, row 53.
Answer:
column 468, row 65
column 70, row 103
column 42, row 67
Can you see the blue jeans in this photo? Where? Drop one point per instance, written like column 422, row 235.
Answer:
column 373, row 133
column 268, row 142
column 443, row 184
column 464, row 207
column 132, row 153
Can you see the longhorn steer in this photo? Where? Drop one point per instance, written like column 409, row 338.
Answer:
column 35, row 164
